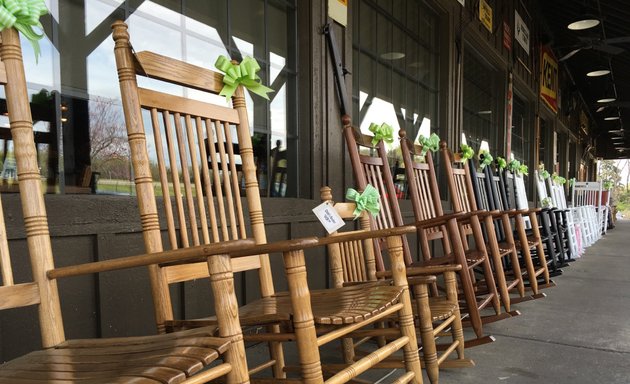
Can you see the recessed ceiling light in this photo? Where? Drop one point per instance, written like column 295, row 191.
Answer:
column 600, row 109
column 486, row 112
column 598, row 72
column 392, row 55
column 609, row 118
column 606, row 100
column 586, row 23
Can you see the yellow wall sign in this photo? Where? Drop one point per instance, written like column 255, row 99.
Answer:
column 485, row 14
column 549, row 79
column 338, row 11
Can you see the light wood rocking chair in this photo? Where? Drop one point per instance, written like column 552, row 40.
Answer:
column 210, row 210
column 355, row 262
column 182, row 357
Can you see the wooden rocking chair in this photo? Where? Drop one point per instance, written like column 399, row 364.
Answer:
column 210, row 210
column 370, row 165
column 514, row 230
column 182, row 357
column 355, row 262
column 539, row 223
column 500, row 239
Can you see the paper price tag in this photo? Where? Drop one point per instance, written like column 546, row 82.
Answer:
column 329, row 218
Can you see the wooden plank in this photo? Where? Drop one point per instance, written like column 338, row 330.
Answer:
column 19, row 295
column 166, row 102
column 186, row 272
column 165, row 68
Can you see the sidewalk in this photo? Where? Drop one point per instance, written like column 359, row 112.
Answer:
column 578, row 334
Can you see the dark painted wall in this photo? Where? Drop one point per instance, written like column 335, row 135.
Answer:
column 90, row 228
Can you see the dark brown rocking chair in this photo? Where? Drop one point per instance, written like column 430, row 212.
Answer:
column 182, row 357
column 370, row 166
column 210, row 206
column 462, row 198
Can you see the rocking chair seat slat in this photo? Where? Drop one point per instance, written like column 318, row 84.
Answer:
column 162, row 358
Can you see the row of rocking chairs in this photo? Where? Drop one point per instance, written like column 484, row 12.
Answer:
column 491, row 252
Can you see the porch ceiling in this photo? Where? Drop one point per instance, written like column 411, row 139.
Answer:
column 597, row 51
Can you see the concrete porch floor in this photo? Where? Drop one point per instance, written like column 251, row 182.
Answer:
column 579, row 333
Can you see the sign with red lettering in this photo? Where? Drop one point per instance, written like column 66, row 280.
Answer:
column 507, row 36
column 549, row 78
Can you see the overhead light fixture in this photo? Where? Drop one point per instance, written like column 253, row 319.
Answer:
column 610, row 118
column 598, row 72
column 392, row 55
column 486, row 112
column 584, row 20
column 600, row 109
column 606, row 100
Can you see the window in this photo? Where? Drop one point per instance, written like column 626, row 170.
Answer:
column 395, row 59
column 482, row 116
column 75, row 94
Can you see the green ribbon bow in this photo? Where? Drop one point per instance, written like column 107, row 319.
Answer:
column 368, row 200
column 485, row 158
column 514, row 166
column 572, row 181
column 243, row 73
column 501, row 163
column 382, row 132
column 544, row 174
column 431, row 143
column 546, row 202
column 466, row 152
column 561, row 180
column 524, row 169
column 23, row 15
column 558, row 179
column 608, row 184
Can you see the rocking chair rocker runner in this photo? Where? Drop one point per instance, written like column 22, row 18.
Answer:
column 182, row 357
column 208, row 209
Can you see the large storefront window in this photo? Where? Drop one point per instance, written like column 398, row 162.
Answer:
column 74, row 87
column 395, row 71
column 522, row 134
column 482, row 117
column 395, row 66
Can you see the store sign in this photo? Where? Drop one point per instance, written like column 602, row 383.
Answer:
column 507, row 36
column 549, row 79
column 485, row 14
column 338, row 11
column 522, row 32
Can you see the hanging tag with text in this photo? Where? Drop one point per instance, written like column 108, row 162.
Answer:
column 329, row 217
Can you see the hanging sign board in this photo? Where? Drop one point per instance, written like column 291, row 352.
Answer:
column 338, row 11
column 522, row 32
column 485, row 14
column 549, row 79
column 507, row 36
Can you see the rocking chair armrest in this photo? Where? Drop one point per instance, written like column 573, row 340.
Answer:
column 196, row 253
column 440, row 220
column 421, row 280
column 312, row 242
column 430, row 270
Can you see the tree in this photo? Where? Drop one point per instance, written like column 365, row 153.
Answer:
column 108, row 139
